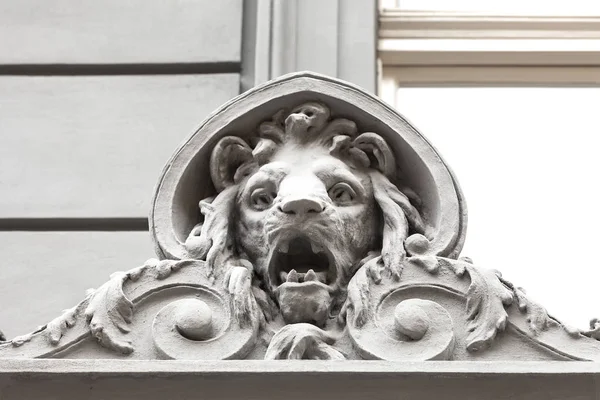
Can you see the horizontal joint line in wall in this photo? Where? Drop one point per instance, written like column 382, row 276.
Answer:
column 490, row 66
column 73, row 224
column 120, row 69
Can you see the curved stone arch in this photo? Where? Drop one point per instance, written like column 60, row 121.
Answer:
column 184, row 180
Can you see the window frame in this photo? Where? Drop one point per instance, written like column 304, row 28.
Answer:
column 427, row 48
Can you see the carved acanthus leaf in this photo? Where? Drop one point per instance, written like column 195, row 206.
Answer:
column 56, row 328
column 486, row 298
column 109, row 312
column 22, row 339
column 538, row 319
column 429, row 263
column 593, row 332
column 302, row 341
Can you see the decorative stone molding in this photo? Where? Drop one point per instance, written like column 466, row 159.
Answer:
column 299, row 380
column 306, row 219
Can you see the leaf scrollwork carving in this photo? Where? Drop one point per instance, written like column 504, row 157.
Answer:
column 486, row 299
column 303, row 341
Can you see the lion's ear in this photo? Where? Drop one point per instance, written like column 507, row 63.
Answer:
column 378, row 151
column 227, row 157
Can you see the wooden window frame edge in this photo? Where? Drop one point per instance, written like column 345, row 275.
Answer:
column 401, row 24
column 491, row 75
column 417, row 48
column 412, row 38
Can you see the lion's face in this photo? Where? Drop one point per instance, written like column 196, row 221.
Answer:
column 305, row 220
column 304, row 205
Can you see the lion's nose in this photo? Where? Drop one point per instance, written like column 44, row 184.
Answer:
column 301, row 206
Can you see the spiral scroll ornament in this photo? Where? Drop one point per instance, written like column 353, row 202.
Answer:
column 404, row 328
column 201, row 327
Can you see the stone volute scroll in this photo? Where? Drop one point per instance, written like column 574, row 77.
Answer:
column 306, row 219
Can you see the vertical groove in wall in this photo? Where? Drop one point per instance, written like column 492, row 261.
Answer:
column 357, row 52
column 338, row 31
column 257, row 43
column 293, row 43
column 270, row 48
column 120, row 69
column 249, row 41
column 73, row 224
column 285, row 26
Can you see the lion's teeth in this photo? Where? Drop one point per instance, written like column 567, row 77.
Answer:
column 322, row 277
column 284, row 247
column 292, row 276
column 283, row 275
column 310, row 276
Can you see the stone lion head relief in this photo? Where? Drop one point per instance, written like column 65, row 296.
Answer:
column 330, row 229
column 303, row 206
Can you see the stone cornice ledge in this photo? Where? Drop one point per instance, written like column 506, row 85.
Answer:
column 248, row 379
column 331, row 229
column 153, row 368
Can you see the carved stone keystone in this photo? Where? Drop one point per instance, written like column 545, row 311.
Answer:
column 306, row 219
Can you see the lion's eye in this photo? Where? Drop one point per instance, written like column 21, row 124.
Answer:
column 342, row 193
column 262, row 199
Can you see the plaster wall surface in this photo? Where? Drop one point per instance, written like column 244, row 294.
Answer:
column 113, row 32
column 44, row 273
column 93, row 146
column 94, row 97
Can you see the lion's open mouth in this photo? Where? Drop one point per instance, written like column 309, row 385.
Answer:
column 301, row 260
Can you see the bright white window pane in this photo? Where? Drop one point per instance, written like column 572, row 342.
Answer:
column 507, row 7
column 528, row 160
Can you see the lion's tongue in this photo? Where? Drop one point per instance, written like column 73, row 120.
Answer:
column 311, row 275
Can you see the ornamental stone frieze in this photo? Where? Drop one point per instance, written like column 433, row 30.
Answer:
column 306, row 219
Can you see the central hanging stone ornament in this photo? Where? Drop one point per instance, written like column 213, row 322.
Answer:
column 306, row 219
